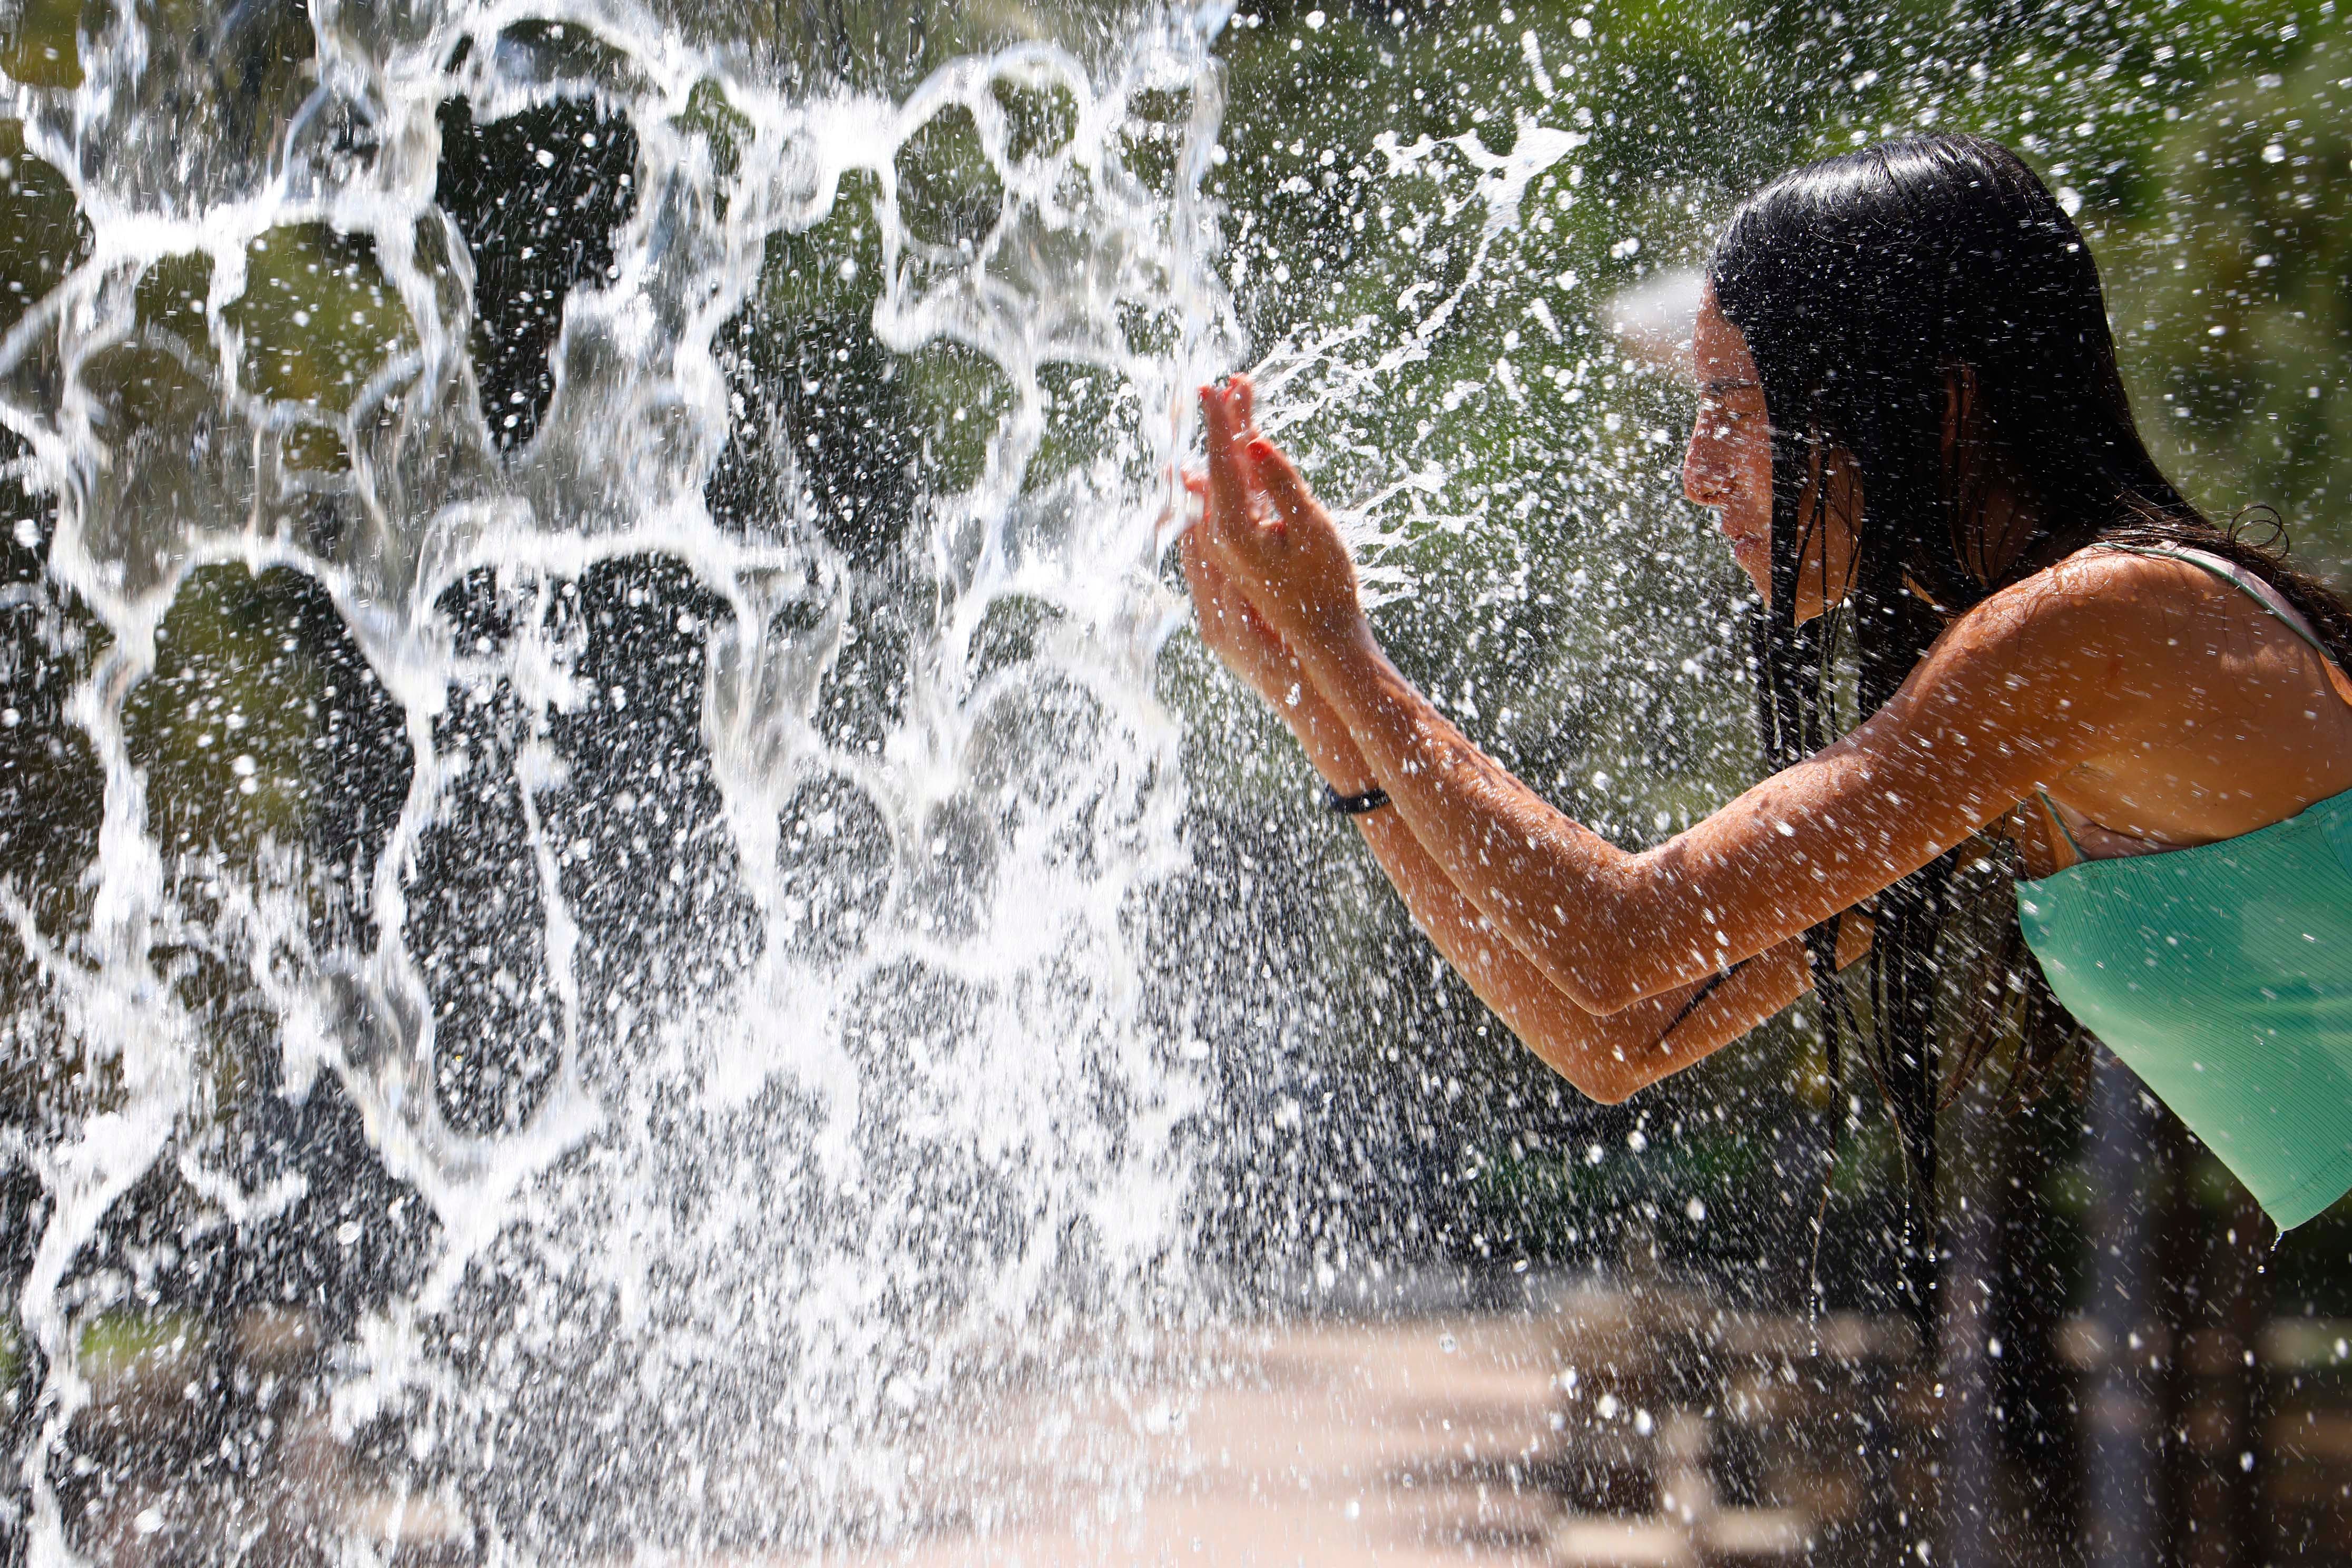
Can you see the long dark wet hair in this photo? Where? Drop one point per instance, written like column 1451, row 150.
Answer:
column 1925, row 312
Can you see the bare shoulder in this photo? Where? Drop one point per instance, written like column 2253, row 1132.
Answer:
column 2079, row 643
column 2095, row 605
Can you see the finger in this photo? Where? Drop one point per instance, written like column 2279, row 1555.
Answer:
column 1190, row 509
column 1244, row 395
column 1293, row 501
column 1228, row 492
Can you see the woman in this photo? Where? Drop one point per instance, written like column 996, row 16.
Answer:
column 1911, row 424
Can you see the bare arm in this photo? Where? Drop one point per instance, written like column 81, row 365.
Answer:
column 1608, row 1057
column 2023, row 689
column 1610, row 928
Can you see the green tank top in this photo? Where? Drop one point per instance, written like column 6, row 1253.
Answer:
column 2222, row 975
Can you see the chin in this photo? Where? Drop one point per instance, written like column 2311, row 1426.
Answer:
column 1756, row 565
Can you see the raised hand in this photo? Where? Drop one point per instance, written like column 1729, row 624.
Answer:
column 1274, row 539
column 1247, row 642
column 1232, row 628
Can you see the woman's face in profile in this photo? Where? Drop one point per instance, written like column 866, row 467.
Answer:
column 1728, row 468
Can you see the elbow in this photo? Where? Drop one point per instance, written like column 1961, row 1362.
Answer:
column 1599, row 977
column 1606, row 1089
column 1602, row 989
column 1607, row 962
column 1595, row 1075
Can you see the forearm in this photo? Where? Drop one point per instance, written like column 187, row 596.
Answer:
column 1597, row 1054
column 1331, row 749
column 1606, row 1056
column 1591, row 1051
column 1552, row 887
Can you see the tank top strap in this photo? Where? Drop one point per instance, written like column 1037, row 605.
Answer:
column 2254, row 588
column 2058, row 820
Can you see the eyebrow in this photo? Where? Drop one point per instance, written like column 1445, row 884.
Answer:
column 1712, row 388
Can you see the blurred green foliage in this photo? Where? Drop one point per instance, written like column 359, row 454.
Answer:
column 115, row 1344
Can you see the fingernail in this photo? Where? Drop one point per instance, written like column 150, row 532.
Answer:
column 1261, row 449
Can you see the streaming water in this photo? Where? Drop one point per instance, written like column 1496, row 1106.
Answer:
column 573, row 957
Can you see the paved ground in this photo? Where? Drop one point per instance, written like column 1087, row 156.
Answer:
column 1401, row 1444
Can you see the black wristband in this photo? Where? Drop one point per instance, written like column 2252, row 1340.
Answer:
column 1371, row 799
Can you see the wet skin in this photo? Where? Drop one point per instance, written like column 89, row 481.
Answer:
column 2154, row 701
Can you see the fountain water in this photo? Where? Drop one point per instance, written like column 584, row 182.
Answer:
column 580, row 637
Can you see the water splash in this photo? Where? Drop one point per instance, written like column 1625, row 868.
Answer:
column 611, row 583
